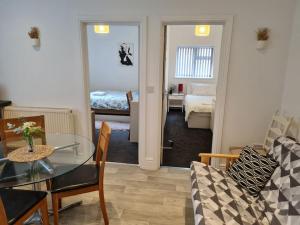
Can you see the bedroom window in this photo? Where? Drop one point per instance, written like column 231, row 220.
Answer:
column 194, row 62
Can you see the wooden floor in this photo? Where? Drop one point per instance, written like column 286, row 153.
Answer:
column 136, row 197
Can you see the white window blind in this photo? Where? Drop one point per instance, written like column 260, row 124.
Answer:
column 194, row 62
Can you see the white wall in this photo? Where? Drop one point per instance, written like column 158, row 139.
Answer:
column 52, row 76
column 106, row 71
column 291, row 94
column 183, row 35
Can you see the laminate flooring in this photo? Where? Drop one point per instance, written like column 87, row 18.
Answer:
column 136, row 197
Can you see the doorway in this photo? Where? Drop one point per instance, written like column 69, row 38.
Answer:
column 191, row 68
column 113, row 67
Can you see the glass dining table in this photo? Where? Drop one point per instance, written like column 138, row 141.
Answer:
column 70, row 152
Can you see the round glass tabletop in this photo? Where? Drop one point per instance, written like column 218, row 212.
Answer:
column 70, row 152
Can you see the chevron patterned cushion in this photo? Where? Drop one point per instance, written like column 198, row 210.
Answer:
column 252, row 171
column 218, row 199
column 281, row 195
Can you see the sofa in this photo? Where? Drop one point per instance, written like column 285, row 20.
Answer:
column 218, row 199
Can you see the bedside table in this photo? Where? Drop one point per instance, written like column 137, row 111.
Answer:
column 175, row 100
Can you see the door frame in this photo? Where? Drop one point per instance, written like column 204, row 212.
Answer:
column 227, row 22
column 140, row 21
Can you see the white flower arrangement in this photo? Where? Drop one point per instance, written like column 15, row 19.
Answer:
column 28, row 129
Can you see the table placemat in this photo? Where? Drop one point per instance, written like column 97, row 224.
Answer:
column 23, row 155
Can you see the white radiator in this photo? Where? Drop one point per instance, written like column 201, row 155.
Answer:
column 57, row 120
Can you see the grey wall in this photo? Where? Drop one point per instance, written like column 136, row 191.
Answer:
column 183, row 35
column 106, row 71
column 291, row 94
column 52, row 76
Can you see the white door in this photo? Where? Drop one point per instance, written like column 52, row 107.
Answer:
column 164, row 95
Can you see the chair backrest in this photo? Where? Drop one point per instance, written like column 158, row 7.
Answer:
column 129, row 98
column 102, row 148
column 281, row 194
column 7, row 134
column 3, row 218
column 278, row 127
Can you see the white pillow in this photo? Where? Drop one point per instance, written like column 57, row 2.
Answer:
column 203, row 89
column 99, row 93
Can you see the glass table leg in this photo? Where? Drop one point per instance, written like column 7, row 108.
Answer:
column 35, row 219
column 70, row 206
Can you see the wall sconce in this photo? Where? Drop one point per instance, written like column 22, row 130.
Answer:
column 202, row 30
column 34, row 35
column 262, row 37
column 101, row 29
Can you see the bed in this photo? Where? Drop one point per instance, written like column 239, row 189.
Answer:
column 199, row 105
column 110, row 102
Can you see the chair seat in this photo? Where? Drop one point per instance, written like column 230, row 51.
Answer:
column 9, row 171
column 19, row 202
column 85, row 175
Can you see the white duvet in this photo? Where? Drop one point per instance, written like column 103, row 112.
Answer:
column 197, row 103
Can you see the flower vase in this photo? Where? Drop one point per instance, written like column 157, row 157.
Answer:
column 30, row 143
column 35, row 42
column 261, row 44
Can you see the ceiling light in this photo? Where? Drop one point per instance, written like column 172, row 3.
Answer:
column 101, row 29
column 202, row 30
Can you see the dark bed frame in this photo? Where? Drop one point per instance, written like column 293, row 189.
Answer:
column 111, row 112
column 115, row 112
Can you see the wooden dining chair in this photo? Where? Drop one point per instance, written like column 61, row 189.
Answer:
column 129, row 99
column 16, row 206
column 9, row 135
column 84, row 179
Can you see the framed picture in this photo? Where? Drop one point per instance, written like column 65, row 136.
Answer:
column 126, row 54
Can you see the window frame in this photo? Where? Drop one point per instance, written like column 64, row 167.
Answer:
column 176, row 76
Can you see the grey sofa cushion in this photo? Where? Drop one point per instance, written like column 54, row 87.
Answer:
column 217, row 199
column 281, row 195
column 252, row 171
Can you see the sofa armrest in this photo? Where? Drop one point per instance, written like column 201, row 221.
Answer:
column 230, row 158
column 257, row 147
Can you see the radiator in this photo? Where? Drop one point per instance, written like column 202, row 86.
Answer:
column 57, row 120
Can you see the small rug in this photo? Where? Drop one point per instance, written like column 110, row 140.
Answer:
column 113, row 125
